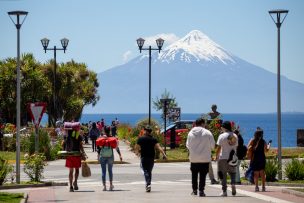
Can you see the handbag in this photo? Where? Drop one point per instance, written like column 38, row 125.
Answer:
column 249, row 175
column 85, row 170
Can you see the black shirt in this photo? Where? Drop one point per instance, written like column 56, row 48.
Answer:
column 73, row 142
column 147, row 146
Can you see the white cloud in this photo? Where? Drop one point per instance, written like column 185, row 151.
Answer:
column 169, row 39
column 126, row 55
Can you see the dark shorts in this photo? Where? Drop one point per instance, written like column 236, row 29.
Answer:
column 73, row 162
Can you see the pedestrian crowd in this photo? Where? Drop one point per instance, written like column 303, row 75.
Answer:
column 228, row 151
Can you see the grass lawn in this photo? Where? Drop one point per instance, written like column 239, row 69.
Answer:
column 288, row 152
column 10, row 197
column 297, row 189
column 294, row 181
column 177, row 153
column 11, row 156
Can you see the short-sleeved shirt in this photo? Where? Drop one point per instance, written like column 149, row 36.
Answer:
column 226, row 148
column 147, row 146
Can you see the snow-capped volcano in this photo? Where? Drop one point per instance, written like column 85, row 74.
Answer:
column 198, row 72
column 195, row 46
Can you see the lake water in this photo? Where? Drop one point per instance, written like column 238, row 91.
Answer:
column 247, row 122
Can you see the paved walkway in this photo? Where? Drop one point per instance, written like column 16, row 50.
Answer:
column 130, row 190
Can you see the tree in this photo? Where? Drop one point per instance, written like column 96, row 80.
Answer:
column 158, row 105
column 76, row 87
column 34, row 86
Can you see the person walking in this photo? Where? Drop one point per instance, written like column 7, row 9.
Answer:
column 199, row 142
column 113, row 129
column 146, row 146
column 105, row 156
column 94, row 133
column 226, row 148
column 241, row 153
column 258, row 159
column 73, row 143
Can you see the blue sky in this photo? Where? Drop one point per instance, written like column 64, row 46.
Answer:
column 102, row 33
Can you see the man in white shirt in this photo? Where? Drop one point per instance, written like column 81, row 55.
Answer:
column 227, row 143
column 200, row 142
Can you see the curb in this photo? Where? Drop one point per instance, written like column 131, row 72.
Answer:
column 46, row 184
column 293, row 192
column 25, row 198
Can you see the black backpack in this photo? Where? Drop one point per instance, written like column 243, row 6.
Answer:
column 241, row 149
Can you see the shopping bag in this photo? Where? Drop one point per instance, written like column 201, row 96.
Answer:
column 85, row 170
column 249, row 175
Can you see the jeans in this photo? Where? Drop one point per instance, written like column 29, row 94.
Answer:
column 147, row 166
column 200, row 169
column 238, row 175
column 223, row 168
column 94, row 145
column 104, row 162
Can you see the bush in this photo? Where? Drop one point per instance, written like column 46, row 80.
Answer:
column 294, row 170
column 54, row 149
column 34, row 166
column 9, row 144
column 5, row 168
column 183, row 136
column 124, row 131
column 271, row 169
column 44, row 143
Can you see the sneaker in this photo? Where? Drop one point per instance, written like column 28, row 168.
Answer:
column 233, row 190
column 213, row 181
column 194, row 192
column 257, row 189
column 75, row 186
column 263, row 189
column 202, row 194
column 148, row 188
column 104, row 188
column 111, row 187
column 71, row 189
column 223, row 194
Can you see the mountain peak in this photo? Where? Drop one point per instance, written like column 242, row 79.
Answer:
column 195, row 35
column 195, row 46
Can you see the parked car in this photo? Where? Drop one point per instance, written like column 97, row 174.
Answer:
column 174, row 130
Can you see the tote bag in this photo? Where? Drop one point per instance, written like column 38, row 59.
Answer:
column 85, row 170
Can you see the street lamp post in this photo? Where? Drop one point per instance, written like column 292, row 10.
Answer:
column 18, row 25
column 165, row 103
column 140, row 43
column 45, row 43
column 276, row 17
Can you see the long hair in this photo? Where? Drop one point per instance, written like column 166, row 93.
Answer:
column 94, row 126
column 258, row 135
